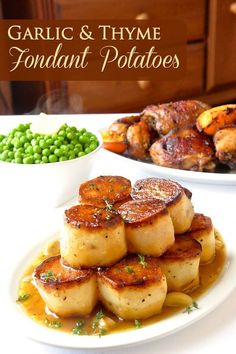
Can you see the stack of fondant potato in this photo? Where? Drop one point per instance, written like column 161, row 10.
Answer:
column 126, row 247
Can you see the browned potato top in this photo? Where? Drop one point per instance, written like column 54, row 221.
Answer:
column 105, row 190
column 52, row 272
column 139, row 212
column 91, row 217
column 183, row 248
column 200, row 222
column 157, row 188
column 132, row 271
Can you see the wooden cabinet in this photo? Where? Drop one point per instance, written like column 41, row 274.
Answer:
column 211, row 55
column 191, row 12
column 221, row 54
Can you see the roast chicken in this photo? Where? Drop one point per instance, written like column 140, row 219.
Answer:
column 184, row 148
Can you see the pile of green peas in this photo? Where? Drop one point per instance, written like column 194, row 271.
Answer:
column 23, row 147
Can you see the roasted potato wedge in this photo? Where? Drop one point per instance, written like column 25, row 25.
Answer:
column 133, row 289
column 216, row 118
column 92, row 237
column 148, row 227
column 172, row 194
column 104, row 191
column 180, row 264
column 66, row 291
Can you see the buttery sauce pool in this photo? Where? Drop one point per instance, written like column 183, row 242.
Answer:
column 32, row 304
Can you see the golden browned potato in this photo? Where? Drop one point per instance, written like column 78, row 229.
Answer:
column 202, row 230
column 139, row 140
column 105, row 190
column 216, row 118
column 186, row 149
column 172, row 194
column 225, row 144
column 135, row 288
column 180, row 264
column 164, row 117
column 148, row 227
column 92, row 237
column 66, row 291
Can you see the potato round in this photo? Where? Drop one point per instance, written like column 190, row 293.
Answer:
column 180, row 264
column 133, row 289
column 172, row 194
column 66, row 291
column 148, row 227
column 105, row 190
column 202, row 230
column 92, row 237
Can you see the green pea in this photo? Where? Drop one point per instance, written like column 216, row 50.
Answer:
column 93, row 146
column 44, row 159
column 29, row 150
column 83, row 130
column 87, row 150
column 34, row 142
column 70, row 135
column 21, row 150
column 4, row 155
column 49, row 142
column 71, row 155
column 37, row 149
column 63, row 158
column 26, row 145
column 57, row 143
column 23, row 139
column 28, row 160
column 58, row 152
column 81, row 154
column 83, row 139
column 18, row 160
column 52, row 148
column 21, row 128
column 17, row 143
column 46, row 152
column 11, row 155
column 1, row 137
column 70, row 147
column 79, row 147
column 42, row 143
column 64, row 148
column 52, row 158
column 8, row 160
column 17, row 154
column 37, row 156
column 62, row 133
column 37, row 161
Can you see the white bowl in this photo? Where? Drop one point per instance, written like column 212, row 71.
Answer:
column 49, row 184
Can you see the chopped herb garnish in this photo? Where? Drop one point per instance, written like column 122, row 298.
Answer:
column 53, row 324
column 99, row 315
column 48, row 276
column 108, row 206
column 78, row 327
column 137, row 324
column 142, row 261
column 93, row 186
column 101, row 332
column 95, row 324
column 23, row 298
column 191, row 308
column 129, row 270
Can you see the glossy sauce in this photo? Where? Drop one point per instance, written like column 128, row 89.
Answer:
column 35, row 307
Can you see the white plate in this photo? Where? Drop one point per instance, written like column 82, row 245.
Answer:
column 208, row 302
column 180, row 175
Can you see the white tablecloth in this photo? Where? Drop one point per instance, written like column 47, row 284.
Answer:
column 215, row 333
